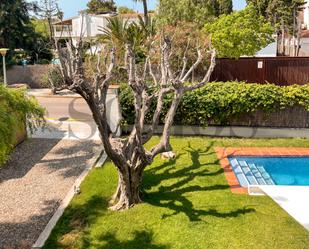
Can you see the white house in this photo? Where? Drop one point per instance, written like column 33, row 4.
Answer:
column 306, row 15
column 85, row 25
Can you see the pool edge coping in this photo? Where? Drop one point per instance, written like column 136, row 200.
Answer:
column 224, row 152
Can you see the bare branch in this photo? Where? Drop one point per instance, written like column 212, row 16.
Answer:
column 194, row 66
column 185, row 61
column 207, row 75
column 152, row 73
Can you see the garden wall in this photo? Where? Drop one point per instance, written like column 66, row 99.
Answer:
column 32, row 75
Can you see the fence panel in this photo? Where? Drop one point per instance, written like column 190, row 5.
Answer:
column 278, row 70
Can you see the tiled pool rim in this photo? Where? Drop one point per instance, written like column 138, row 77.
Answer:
column 223, row 153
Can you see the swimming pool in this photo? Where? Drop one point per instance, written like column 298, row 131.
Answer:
column 292, row 171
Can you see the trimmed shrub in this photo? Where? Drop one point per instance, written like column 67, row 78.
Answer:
column 15, row 110
column 52, row 78
column 221, row 101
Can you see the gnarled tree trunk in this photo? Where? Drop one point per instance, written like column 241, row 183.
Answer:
column 129, row 154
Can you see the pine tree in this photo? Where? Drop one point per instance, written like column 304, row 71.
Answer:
column 101, row 6
column 225, row 6
column 197, row 11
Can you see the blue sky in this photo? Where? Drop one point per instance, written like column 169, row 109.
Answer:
column 71, row 7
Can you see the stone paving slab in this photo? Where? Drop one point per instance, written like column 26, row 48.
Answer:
column 34, row 182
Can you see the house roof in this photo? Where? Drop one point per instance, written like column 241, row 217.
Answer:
column 305, row 34
column 131, row 15
column 64, row 22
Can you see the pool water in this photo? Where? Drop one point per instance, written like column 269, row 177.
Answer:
column 292, row 171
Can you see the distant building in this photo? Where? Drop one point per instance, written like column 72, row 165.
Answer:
column 85, row 25
column 299, row 45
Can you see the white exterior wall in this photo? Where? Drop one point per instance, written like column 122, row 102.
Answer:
column 304, row 50
column 96, row 23
column 306, row 14
column 88, row 25
column 79, row 26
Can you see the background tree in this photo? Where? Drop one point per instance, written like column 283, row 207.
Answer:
column 49, row 10
column 241, row 33
column 145, row 6
column 225, row 7
column 173, row 11
column 101, row 6
column 16, row 30
column 284, row 16
column 149, row 83
column 125, row 10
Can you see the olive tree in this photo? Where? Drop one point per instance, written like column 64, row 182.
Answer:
column 151, row 77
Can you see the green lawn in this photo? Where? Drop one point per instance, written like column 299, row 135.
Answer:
column 188, row 204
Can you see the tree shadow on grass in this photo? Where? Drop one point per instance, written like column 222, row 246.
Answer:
column 74, row 221
column 175, row 196
column 142, row 239
column 72, row 231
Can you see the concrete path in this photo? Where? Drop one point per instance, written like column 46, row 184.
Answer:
column 34, row 182
column 294, row 200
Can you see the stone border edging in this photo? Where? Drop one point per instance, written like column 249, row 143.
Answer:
column 233, row 131
column 101, row 158
column 224, row 153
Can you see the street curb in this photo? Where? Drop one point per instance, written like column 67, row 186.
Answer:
column 98, row 159
column 55, row 96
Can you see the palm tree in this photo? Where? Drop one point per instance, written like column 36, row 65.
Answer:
column 145, row 9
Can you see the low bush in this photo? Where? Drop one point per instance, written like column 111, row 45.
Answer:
column 52, row 79
column 15, row 110
column 221, row 101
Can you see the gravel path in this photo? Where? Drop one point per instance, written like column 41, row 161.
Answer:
column 33, row 183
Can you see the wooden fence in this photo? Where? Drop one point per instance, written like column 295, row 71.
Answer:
column 281, row 71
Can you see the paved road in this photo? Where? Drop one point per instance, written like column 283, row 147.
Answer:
column 66, row 108
column 69, row 118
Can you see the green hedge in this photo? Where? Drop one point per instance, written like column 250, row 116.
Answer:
column 221, row 101
column 15, row 107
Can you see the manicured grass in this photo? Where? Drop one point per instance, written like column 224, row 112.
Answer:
column 188, row 204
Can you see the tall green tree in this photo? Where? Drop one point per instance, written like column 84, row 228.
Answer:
column 240, row 33
column 277, row 10
column 101, row 6
column 284, row 16
column 197, row 11
column 225, row 6
column 125, row 10
column 16, row 30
